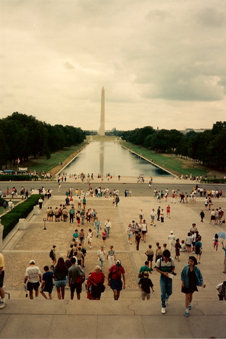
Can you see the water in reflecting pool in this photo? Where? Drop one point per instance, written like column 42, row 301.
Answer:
column 101, row 157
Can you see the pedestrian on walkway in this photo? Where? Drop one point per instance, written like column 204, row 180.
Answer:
column 150, row 254
column 40, row 202
column 2, row 275
column 97, row 226
column 108, row 227
column 145, row 283
column 165, row 266
column 76, row 277
column 52, row 255
column 202, row 215
column 47, row 283
column 191, row 277
column 137, row 240
column 116, row 272
column 172, row 241
column 111, row 256
column 101, row 257
column 117, row 200
column 144, row 268
column 95, row 284
column 60, row 276
column 32, row 278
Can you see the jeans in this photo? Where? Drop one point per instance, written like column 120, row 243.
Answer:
column 108, row 231
column 166, row 289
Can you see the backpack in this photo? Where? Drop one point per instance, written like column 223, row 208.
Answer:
column 51, row 254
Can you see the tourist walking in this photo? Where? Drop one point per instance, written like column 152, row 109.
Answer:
column 150, row 254
column 144, row 230
column 116, row 272
column 191, row 277
column 97, row 226
column 76, row 277
column 32, row 278
column 60, row 274
column 137, row 240
column 101, row 257
column 145, row 283
column 172, row 241
column 165, row 266
column 108, row 227
column 202, row 215
column 216, row 242
column 111, row 256
column 95, row 284
column 47, row 283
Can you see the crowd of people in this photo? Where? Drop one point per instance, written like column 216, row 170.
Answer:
column 70, row 270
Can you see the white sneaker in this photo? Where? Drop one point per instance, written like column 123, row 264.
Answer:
column 2, row 304
column 163, row 310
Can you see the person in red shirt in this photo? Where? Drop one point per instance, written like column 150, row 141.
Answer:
column 116, row 272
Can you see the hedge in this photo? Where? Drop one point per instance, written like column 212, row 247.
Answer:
column 2, row 201
column 214, row 181
column 10, row 219
column 22, row 177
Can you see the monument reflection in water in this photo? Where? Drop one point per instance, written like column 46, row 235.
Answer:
column 103, row 157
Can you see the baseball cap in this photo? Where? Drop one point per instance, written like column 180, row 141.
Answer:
column 32, row 261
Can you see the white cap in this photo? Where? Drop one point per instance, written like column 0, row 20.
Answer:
column 31, row 262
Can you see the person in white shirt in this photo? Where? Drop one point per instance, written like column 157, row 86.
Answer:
column 32, row 278
column 108, row 227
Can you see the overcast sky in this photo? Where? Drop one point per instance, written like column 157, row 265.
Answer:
column 162, row 62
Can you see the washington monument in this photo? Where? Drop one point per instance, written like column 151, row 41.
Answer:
column 102, row 114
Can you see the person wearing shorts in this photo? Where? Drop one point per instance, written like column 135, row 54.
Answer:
column 32, row 278
column 47, row 283
column 114, row 279
column 150, row 255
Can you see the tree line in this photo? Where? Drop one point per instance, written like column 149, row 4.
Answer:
column 23, row 136
column 208, row 147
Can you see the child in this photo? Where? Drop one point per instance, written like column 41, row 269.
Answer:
column 75, row 236
column 145, row 283
column 47, row 283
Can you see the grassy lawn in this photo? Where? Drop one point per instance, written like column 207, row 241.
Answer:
column 46, row 165
column 174, row 163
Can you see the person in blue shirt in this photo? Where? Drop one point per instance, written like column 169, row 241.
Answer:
column 191, row 277
column 198, row 249
column 47, row 283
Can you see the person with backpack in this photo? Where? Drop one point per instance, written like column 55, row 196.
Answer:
column 52, row 255
column 114, row 278
column 165, row 266
column 76, row 277
column 198, row 248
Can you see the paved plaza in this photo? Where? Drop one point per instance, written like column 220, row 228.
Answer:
column 129, row 317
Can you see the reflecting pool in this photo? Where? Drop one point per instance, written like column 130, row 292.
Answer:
column 103, row 157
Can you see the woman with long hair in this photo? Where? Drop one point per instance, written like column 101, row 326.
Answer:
column 191, row 277
column 60, row 274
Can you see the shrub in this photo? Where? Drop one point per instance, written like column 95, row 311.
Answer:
column 10, row 219
column 2, row 201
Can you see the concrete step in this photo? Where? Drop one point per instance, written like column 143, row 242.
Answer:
column 111, row 307
column 127, row 294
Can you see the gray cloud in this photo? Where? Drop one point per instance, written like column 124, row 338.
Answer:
column 152, row 57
